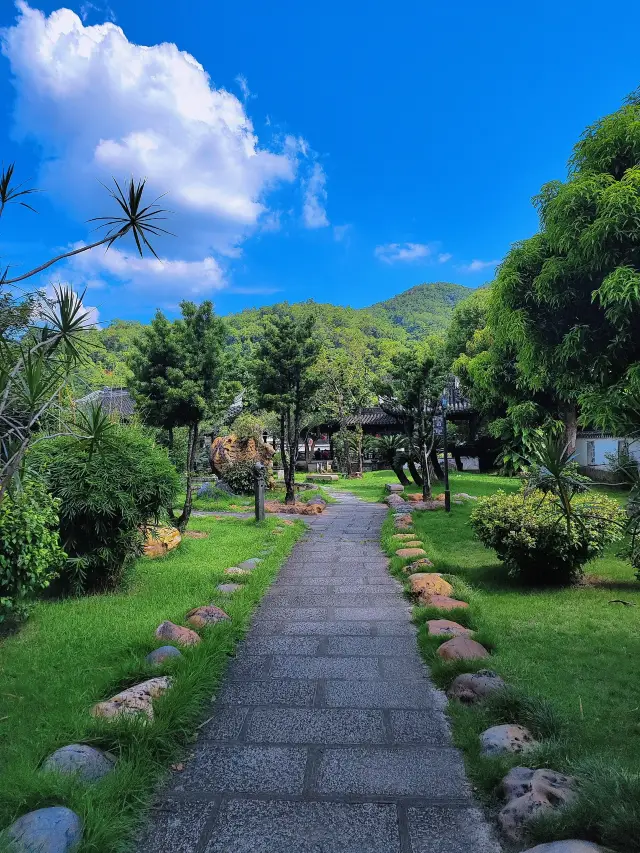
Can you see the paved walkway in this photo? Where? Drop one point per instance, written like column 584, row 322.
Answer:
column 328, row 736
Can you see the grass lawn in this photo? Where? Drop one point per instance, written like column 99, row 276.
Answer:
column 221, row 502
column 571, row 649
column 369, row 488
column 73, row 653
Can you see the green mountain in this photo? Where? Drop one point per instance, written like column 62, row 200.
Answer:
column 423, row 309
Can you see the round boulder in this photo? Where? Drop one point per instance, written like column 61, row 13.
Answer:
column 177, row 634
column 408, row 553
column 443, row 602
column 158, row 656
column 428, row 583
column 445, row 627
column 506, row 738
column 81, row 760
column 462, row 648
column 530, row 793
column 203, row 617
column 51, row 830
column 473, row 687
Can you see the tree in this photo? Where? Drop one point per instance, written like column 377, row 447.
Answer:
column 177, row 368
column 411, row 393
column 286, row 382
column 41, row 338
column 391, row 449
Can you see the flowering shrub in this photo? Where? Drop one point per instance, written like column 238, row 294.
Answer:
column 537, row 541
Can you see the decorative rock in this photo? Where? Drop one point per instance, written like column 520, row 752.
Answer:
column 472, row 687
column 204, row 617
column 135, row 700
column 414, row 497
column 441, row 497
column 462, row 648
column 235, row 571
column 288, row 522
column 445, row 627
column 402, row 522
column 177, row 634
column 413, row 543
column 299, row 508
column 506, row 738
column 530, row 792
column 394, row 487
column 81, row 760
column 418, row 566
column 394, row 500
column 159, row 540
column 463, row 496
column 228, row 588
column 426, row 583
column 52, row 830
column 158, row 656
column 401, row 536
column 317, row 502
column 407, row 553
column 443, row 602
column 425, row 505
column 250, row 564
column 570, row 846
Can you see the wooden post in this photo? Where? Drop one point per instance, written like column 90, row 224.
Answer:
column 258, row 482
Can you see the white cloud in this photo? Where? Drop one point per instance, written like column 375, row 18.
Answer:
column 392, row 253
column 443, row 257
column 93, row 315
column 99, row 9
column 241, row 80
column 478, row 266
column 341, row 233
column 102, row 106
column 315, row 197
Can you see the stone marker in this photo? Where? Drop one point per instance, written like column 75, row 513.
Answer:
column 529, row 793
column 569, row 846
column 442, row 627
column 158, row 656
column 250, row 564
column 428, row 583
column 204, row 617
column 228, row 588
column 506, row 738
column 237, row 571
column 177, row 634
column 51, row 830
column 443, row 602
column 394, row 487
column 472, row 687
column 80, row 760
column 407, row 553
column 135, row 700
column 462, row 648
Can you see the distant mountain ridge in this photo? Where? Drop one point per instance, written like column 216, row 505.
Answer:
column 423, row 309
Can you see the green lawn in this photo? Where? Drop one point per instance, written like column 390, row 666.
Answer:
column 571, row 649
column 74, row 653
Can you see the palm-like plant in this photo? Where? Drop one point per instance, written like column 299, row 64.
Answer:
column 391, row 449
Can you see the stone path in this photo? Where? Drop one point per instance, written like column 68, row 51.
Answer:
column 327, row 737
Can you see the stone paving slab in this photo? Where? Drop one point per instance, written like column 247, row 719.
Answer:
column 327, row 735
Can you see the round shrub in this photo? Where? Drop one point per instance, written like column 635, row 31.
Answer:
column 30, row 552
column 239, row 478
column 530, row 533
column 105, row 494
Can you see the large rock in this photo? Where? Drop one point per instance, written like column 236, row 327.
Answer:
column 394, row 487
column 507, row 738
column 570, row 846
column 236, row 571
column 299, row 508
column 425, row 505
column 414, row 497
column 394, row 500
column 473, row 687
column 445, row 627
column 204, row 617
column 158, row 541
column 158, row 656
column 177, row 634
column 408, row 553
column 462, row 648
column 428, row 583
column 228, row 588
column 402, row 522
column 85, row 762
column 529, row 793
column 136, row 700
column 443, row 602
column 418, row 566
column 51, row 830
column 227, row 450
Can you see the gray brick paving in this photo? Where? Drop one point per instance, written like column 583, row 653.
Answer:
column 328, row 735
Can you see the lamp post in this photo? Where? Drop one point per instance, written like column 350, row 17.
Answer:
column 447, row 491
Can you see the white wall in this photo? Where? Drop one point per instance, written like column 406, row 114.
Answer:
column 603, row 447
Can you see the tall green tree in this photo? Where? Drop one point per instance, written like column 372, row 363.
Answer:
column 177, row 368
column 286, row 382
column 412, row 392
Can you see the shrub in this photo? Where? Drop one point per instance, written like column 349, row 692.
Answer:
column 106, row 493
column 239, row 478
column 531, row 534
column 30, row 552
column 247, row 426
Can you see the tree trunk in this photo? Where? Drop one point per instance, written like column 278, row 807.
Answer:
column 185, row 515
column 290, row 470
column 426, row 479
column 458, row 459
column 570, row 418
column 170, row 438
column 417, row 479
column 435, row 462
column 398, row 470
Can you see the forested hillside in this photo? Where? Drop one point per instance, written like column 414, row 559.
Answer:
column 380, row 330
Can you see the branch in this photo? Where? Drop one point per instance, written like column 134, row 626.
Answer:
column 50, row 263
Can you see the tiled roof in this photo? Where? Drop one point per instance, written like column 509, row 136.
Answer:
column 112, row 400
column 374, row 416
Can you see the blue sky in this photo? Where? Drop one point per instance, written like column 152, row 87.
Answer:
column 341, row 152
